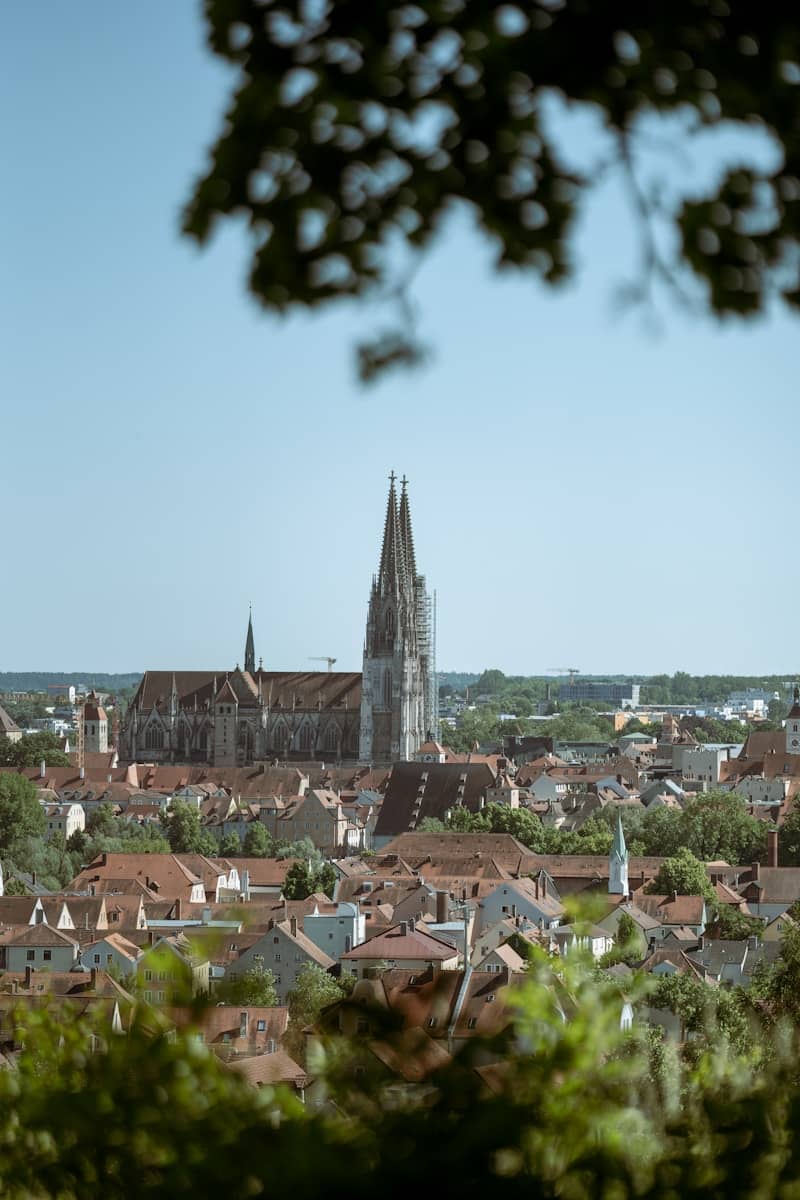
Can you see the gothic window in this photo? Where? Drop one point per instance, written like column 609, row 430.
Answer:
column 279, row 737
column 154, row 738
column 202, row 741
column 331, row 738
column 387, row 688
column 388, row 625
column 306, row 737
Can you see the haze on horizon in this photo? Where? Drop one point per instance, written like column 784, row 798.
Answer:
column 583, row 492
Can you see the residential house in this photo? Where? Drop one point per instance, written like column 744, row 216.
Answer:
column 162, row 875
column 674, row 911
column 284, row 949
column 234, row 1031
column 406, row 947
column 592, row 939
column 528, row 898
column 41, row 948
column 63, row 820
column 335, row 928
column 733, row 962
column 317, row 815
column 112, row 953
column 502, row 958
column 770, row 891
column 171, row 971
column 417, row 790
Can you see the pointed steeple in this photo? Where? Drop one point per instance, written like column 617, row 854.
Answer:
column 392, row 571
column 250, row 647
column 406, row 536
column 618, row 862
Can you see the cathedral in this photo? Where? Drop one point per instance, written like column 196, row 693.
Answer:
column 250, row 715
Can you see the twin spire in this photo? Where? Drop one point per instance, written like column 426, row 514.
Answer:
column 398, row 569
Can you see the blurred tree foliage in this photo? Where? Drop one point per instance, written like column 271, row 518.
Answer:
column 580, row 1109
column 354, row 127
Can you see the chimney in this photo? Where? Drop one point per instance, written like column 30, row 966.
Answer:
column 293, row 926
column 755, row 872
column 772, row 847
column 619, row 780
column 673, row 898
column 513, row 912
column 93, row 979
column 28, row 978
column 242, row 1024
column 441, row 907
column 412, row 924
column 403, row 928
column 536, row 887
column 178, row 909
column 82, row 773
column 42, row 769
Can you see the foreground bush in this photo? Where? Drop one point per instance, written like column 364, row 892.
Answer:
column 564, row 1105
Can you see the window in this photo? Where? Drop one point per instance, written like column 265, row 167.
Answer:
column 232, row 946
column 276, row 941
column 31, row 955
column 277, row 958
column 47, row 956
column 154, row 738
column 261, row 1026
column 161, row 996
column 109, row 959
column 431, row 1022
column 96, row 958
column 148, row 975
column 277, row 979
column 148, row 997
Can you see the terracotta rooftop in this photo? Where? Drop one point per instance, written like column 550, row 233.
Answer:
column 403, row 941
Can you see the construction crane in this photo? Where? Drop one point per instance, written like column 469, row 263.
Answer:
column 322, row 658
column 571, row 671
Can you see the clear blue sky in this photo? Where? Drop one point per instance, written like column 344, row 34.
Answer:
column 584, row 493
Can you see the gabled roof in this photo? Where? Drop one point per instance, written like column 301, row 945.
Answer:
column 43, row 935
column 403, row 941
column 673, row 910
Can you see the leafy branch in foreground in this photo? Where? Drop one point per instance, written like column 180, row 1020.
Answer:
column 354, row 127
column 563, row 1103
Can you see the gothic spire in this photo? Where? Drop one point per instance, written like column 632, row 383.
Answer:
column 392, row 572
column 250, row 647
column 406, row 535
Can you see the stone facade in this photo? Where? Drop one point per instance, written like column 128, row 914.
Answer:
column 236, row 718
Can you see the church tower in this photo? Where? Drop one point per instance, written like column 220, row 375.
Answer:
column 397, row 648
column 250, row 647
column 618, row 862
column 793, row 725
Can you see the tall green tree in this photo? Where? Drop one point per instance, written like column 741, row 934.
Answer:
column 257, row 842
column 183, row 831
column 255, row 988
column 230, row 845
column 684, row 874
column 313, row 991
column 21, row 814
column 32, row 749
